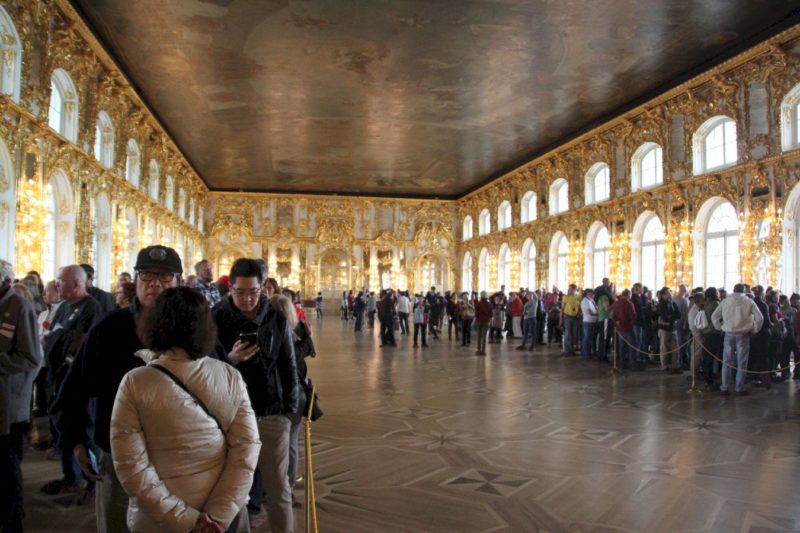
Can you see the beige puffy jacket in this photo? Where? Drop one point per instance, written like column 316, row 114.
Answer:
column 170, row 456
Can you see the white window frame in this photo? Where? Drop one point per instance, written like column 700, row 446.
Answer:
column 504, row 215
column 133, row 163
column 528, row 265
column 11, row 54
column 466, row 230
column 104, row 140
column 67, row 124
column 598, row 184
column 528, row 207
column 466, row 273
column 729, row 146
column 484, row 222
column 638, row 169
column 559, row 196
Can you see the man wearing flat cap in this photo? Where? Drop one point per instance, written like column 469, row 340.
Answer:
column 106, row 356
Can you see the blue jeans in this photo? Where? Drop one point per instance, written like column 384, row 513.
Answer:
column 529, row 330
column 741, row 345
column 359, row 321
column 626, row 355
column 570, row 333
column 587, row 342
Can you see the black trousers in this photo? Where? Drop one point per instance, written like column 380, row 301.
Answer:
column 453, row 323
column 404, row 323
column 11, row 503
column 420, row 329
column 387, row 332
column 466, row 331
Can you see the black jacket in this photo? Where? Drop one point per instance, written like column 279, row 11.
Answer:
column 105, row 299
column 105, row 358
column 271, row 375
column 668, row 313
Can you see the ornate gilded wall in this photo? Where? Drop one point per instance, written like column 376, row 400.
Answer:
column 316, row 242
column 750, row 89
column 50, row 36
column 374, row 242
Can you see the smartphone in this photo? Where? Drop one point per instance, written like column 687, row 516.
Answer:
column 248, row 337
column 93, row 463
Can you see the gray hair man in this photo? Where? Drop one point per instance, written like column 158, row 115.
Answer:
column 20, row 358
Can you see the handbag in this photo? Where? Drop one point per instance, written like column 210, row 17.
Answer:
column 306, row 389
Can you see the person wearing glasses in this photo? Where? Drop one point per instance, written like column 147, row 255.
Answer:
column 259, row 343
column 108, row 353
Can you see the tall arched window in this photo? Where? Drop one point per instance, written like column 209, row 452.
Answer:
column 504, row 267
column 466, row 273
column 722, row 247
column 647, row 167
column 597, row 183
column 528, row 265
column 483, row 270
column 102, row 246
column 11, row 54
column 182, row 203
column 104, row 140
column 504, row 215
column 597, row 254
column 192, row 207
column 63, row 113
column 467, row 228
column 559, row 250
column 651, row 256
column 528, row 207
column 59, row 241
column 169, row 193
column 133, row 163
column 790, row 120
column 714, row 144
column 484, row 222
column 559, row 196
column 8, row 203
column 764, row 259
column 153, row 176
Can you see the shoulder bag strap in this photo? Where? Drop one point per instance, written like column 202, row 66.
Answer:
column 197, row 400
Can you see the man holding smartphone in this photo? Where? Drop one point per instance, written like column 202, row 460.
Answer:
column 259, row 342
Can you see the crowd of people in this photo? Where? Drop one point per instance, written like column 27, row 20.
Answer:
column 132, row 381
column 752, row 332
column 176, row 404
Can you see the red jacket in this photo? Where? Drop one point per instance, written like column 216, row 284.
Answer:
column 483, row 312
column 516, row 307
column 624, row 314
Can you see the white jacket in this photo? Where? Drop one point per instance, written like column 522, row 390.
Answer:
column 738, row 315
column 170, row 456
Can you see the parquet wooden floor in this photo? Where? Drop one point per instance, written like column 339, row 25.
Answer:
column 440, row 440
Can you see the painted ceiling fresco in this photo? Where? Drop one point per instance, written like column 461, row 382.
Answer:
column 403, row 97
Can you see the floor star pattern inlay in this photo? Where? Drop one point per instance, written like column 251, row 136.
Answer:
column 439, row 440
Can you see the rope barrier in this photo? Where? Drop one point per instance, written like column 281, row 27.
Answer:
column 691, row 338
column 310, row 497
column 651, row 354
column 782, row 369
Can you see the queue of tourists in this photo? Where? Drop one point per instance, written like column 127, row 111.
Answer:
column 751, row 332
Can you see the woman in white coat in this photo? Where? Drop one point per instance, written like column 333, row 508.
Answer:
column 184, row 445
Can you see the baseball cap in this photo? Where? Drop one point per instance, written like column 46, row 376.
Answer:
column 158, row 256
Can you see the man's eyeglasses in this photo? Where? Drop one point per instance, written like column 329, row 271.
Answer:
column 163, row 277
column 250, row 293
